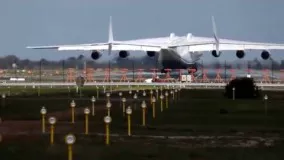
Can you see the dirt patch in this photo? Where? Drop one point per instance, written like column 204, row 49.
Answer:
column 10, row 128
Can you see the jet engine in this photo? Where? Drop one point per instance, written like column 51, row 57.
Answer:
column 151, row 53
column 96, row 55
column 240, row 54
column 123, row 54
column 265, row 55
column 215, row 54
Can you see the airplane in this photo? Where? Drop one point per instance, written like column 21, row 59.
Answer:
column 173, row 52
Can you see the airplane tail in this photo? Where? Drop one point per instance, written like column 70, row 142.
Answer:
column 110, row 36
column 215, row 34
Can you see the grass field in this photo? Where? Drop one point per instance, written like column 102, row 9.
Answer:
column 191, row 128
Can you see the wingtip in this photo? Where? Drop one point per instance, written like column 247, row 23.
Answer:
column 110, row 34
column 213, row 19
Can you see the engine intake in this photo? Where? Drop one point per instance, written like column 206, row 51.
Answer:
column 265, row 55
column 151, row 53
column 215, row 54
column 96, row 55
column 123, row 54
column 240, row 54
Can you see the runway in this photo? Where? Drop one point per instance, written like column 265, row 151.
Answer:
column 264, row 86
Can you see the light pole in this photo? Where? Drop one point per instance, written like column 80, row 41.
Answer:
column 3, row 99
column 70, row 140
column 135, row 100
column 179, row 93
column 73, row 105
column 153, row 107
column 234, row 89
column 162, row 103
column 130, row 92
column 43, row 113
column 173, row 95
column 151, row 95
column 157, row 93
column 143, row 106
column 107, row 120
column 86, row 112
column 167, row 101
column 97, row 92
column 129, row 112
column 40, row 63
column 120, row 95
column 14, row 66
column 93, row 105
column 108, row 96
column 52, row 121
column 144, row 94
column 123, row 105
column 265, row 104
column 108, row 106
column 176, row 94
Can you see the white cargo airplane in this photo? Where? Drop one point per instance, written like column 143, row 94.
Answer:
column 173, row 52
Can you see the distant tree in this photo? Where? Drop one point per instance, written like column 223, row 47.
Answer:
column 71, row 59
column 282, row 64
column 257, row 64
column 227, row 65
column 80, row 57
column 216, row 65
column 245, row 88
column 24, row 63
column 238, row 66
column 44, row 61
column 10, row 59
column 274, row 64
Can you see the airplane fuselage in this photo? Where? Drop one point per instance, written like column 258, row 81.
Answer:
column 177, row 58
column 170, row 58
column 167, row 58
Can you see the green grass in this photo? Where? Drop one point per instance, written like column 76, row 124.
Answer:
column 196, row 108
column 197, row 112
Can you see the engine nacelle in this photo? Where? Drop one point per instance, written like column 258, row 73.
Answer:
column 123, row 54
column 240, row 54
column 215, row 54
column 265, row 55
column 151, row 53
column 96, row 55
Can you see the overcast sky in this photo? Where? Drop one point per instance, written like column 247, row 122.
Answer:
column 49, row 22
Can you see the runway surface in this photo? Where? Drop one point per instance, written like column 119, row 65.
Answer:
column 265, row 86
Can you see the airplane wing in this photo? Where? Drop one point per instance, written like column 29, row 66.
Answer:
column 195, row 44
column 232, row 45
column 217, row 44
column 115, row 46
column 110, row 45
